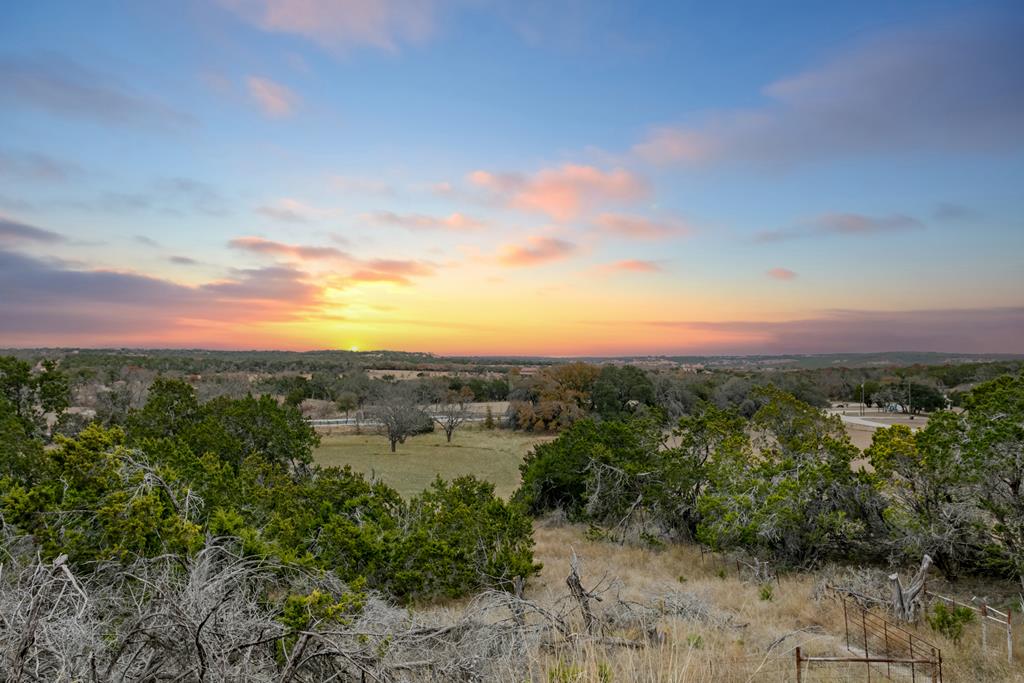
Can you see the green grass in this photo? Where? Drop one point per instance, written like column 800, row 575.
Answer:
column 493, row 455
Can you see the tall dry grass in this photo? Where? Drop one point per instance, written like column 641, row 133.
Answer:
column 750, row 635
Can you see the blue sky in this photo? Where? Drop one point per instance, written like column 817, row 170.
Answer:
column 532, row 177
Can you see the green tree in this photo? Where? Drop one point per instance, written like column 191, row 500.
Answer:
column 347, row 402
column 619, row 392
column 931, row 488
column 103, row 502
column 798, row 500
column 925, row 397
column 558, row 474
column 32, row 394
column 21, row 454
column 235, row 429
column 171, row 408
column 994, row 449
column 711, row 439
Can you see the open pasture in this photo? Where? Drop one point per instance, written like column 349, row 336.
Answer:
column 493, row 455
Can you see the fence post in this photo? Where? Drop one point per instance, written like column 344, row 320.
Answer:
column 913, row 667
column 867, row 653
column 984, row 629
column 799, row 676
column 1009, row 635
column 935, row 662
column 846, row 623
column 888, row 666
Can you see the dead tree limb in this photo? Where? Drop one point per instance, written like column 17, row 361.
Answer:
column 905, row 602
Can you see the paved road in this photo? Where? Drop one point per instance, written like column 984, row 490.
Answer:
column 865, row 422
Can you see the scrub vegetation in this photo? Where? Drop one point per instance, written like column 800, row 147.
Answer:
column 222, row 538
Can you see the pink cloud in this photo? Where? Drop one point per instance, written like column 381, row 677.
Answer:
column 666, row 145
column 416, row 221
column 339, row 25
column 397, row 271
column 289, row 210
column 563, row 192
column 298, row 251
column 276, row 100
column 536, row 251
column 781, row 274
column 639, row 227
column 400, row 267
column 632, row 266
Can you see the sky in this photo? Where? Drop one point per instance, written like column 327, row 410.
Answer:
column 540, row 177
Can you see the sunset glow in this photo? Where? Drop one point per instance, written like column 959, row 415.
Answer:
column 490, row 178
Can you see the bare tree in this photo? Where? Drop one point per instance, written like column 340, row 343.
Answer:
column 453, row 410
column 398, row 414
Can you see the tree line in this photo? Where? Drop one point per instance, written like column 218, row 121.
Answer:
column 179, row 471
column 784, row 483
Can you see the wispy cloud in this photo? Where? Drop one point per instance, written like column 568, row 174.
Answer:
column 340, row 25
column 54, row 302
column 359, row 186
column 954, row 213
column 979, row 330
column 12, row 232
column 631, row 266
column 289, row 210
column 396, row 271
column 169, row 196
column 948, row 88
column 65, row 88
column 641, row 227
column 537, row 250
column 844, row 224
column 298, row 251
column 565, row 191
column 781, row 274
column 417, row 221
column 277, row 101
column 32, row 166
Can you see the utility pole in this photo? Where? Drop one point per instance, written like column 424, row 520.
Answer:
column 862, row 406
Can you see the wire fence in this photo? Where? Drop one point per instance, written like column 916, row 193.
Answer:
column 989, row 618
column 879, row 649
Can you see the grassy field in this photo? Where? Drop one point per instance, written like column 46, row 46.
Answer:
column 758, row 641
column 493, row 455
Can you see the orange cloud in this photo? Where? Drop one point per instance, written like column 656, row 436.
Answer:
column 397, row 271
column 638, row 227
column 633, row 265
column 400, row 267
column 340, row 24
column 781, row 274
column 375, row 276
column 276, row 100
column 298, row 251
column 416, row 221
column 538, row 250
column 565, row 191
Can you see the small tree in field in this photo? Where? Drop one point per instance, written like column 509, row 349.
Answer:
column 347, row 402
column 399, row 415
column 453, row 411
